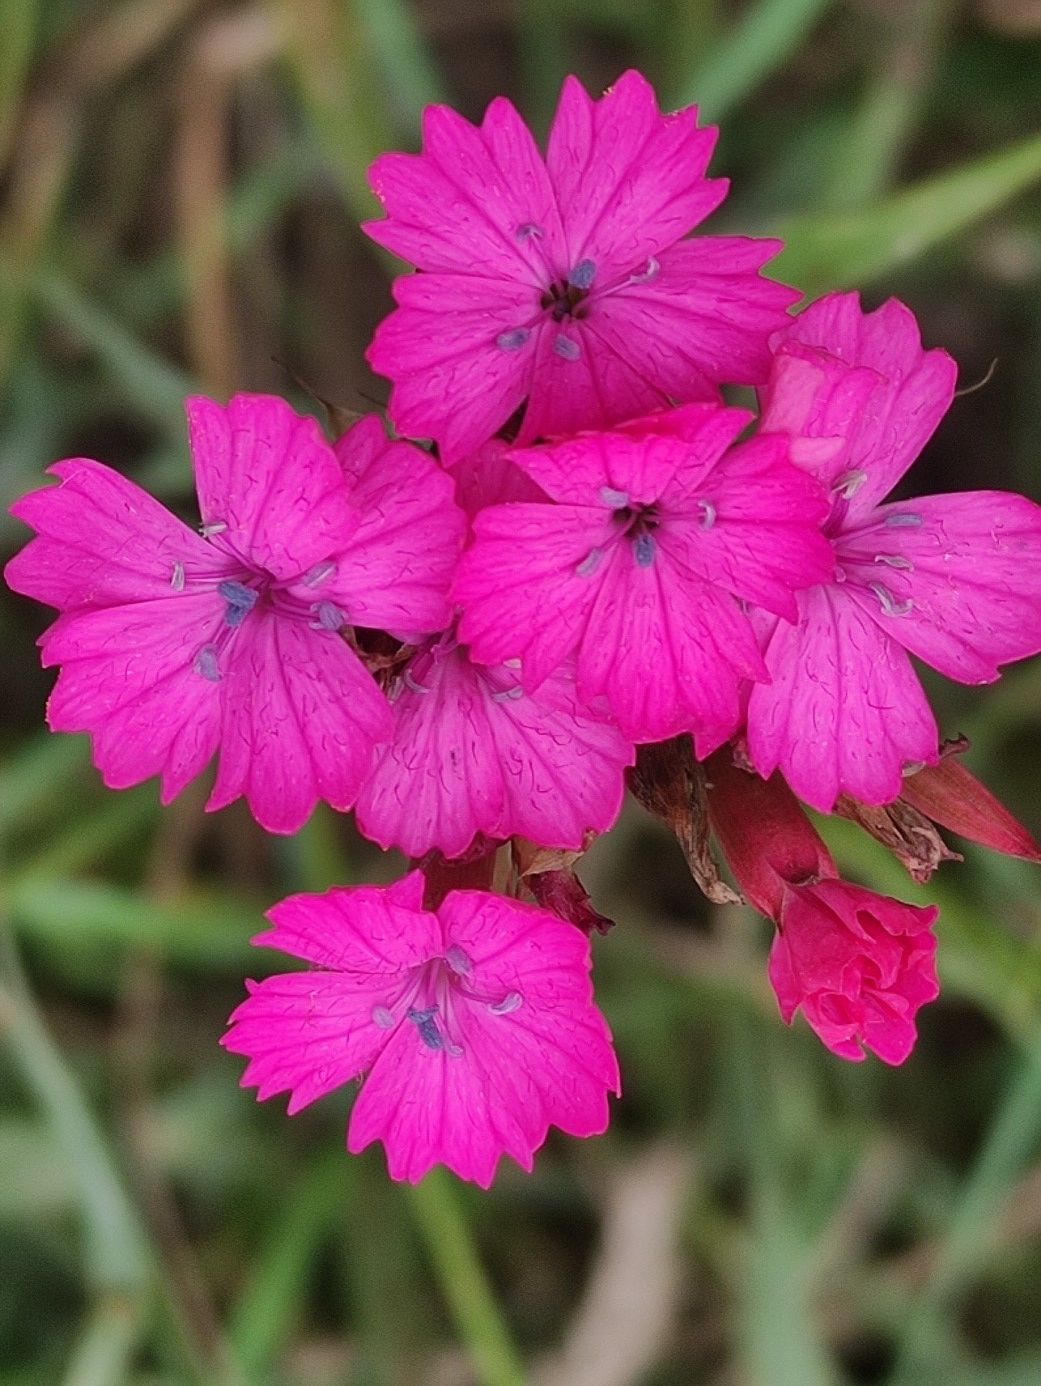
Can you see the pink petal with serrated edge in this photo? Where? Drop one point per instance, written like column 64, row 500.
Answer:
column 450, row 379
column 267, row 474
column 395, row 570
column 666, row 652
column 486, row 184
column 470, row 757
column 301, row 718
column 311, row 1032
column 969, row 598
column 518, row 585
column 844, row 711
column 547, row 1062
column 914, row 393
column 101, row 540
column 128, row 680
column 629, row 180
column 705, row 303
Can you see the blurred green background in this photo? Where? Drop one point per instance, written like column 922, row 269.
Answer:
column 181, row 182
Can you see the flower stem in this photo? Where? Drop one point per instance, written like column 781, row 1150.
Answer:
column 450, row 1245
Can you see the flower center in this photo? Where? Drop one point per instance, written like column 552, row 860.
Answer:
column 430, row 999
column 251, row 589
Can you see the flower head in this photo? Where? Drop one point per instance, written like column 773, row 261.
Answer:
column 953, row 579
column 564, row 285
column 474, row 1024
column 858, row 964
column 174, row 642
column 657, row 534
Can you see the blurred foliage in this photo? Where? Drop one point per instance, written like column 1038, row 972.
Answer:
column 181, row 183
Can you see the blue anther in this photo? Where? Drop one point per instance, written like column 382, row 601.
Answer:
column 426, row 1023
column 241, row 601
column 590, row 563
column 328, row 616
column 567, row 349
column 617, row 500
column 582, row 275
column 643, row 550
column 903, row 519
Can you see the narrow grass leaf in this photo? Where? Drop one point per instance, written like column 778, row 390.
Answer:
column 844, row 250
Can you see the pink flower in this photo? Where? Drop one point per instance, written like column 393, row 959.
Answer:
column 474, row 1024
column 473, row 753
column 858, row 964
column 954, row 579
column 565, row 284
column 658, row 534
column 174, row 642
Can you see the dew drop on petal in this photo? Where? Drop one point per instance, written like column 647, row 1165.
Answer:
column 177, row 577
column 903, row 519
column 213, row 527
column 382, row 1017
column 895, row 560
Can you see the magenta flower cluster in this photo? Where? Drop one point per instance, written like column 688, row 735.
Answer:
column 466, row 642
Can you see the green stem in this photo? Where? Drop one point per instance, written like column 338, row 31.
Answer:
column 450, row 1245
column 116, row 1242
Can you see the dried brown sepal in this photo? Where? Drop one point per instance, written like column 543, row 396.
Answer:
column 563, row 894
column 547, row 875
column 953, row 797
column 670, row 784
column 908, row 834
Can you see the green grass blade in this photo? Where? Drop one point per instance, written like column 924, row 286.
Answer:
column 450, row 1246
column 841, row 251
column 762, row 40
column 18, row 27
column 404, row 58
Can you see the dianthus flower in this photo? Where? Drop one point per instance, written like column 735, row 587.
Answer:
column 565, row 284
column 473, row 753
column 173, row 642
column 473, row 1024
column 954, row 579
column 858, row 964
column 659, row 532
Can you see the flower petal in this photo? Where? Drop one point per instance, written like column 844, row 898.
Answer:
column 955, row 579
column 301, row 718
column 267, row 474
column 395, row 570
column 844, row 711
column 101, row 540
column 129, row 679
column 628, row 179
